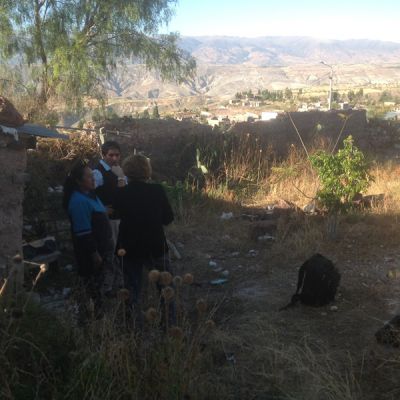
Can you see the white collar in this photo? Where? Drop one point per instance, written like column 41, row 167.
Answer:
column 105, row 165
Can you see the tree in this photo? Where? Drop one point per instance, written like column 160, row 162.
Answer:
column 72, row 45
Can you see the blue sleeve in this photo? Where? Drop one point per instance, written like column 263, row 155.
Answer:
column 98, row 178
column 80, row 211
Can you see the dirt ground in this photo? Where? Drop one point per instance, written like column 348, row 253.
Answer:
column 304, row 352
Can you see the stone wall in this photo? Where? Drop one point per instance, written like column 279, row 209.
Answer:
column 313, row 127
column 12, row 178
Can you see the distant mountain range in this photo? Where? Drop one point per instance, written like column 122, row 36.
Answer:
column 230, row 64
column 277, row 50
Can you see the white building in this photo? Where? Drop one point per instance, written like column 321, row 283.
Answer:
column 268, row 115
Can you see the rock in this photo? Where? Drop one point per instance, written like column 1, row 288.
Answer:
column 66, row 292
column 225, row 273
column 180, row 245
column 235, row 254
column 212, row 264
column 324, row 314
column 334, row 308
column 226, row 237
column 69, row 267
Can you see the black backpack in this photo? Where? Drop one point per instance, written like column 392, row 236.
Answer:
column 317, row 282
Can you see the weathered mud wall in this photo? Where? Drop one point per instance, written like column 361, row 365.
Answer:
column 12, row 169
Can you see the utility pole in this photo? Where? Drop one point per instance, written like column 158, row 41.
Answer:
column 330, row 85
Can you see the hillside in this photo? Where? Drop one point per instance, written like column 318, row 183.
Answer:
column 228, row 64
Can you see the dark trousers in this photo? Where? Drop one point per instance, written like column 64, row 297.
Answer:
column 133, row 270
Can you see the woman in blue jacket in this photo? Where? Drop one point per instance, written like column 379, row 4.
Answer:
column 90, row 226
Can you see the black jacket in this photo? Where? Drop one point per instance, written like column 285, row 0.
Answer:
column 107, row 191
column 144, row 209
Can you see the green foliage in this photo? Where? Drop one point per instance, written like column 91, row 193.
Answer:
column 342, row 175
column 72, row 45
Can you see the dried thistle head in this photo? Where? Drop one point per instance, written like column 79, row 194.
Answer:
column 177, row 281
column 201, row 305
column 168, row 293
column 123, row 295
column 176, row 333
column 152, row 314
column 210, row 325
column 165, row 278
column 188, row 279
column 44, row 267
column 121, row 253
column 17, row 259
column 154, row 275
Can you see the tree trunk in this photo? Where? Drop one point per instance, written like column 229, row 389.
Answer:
column 44, row 90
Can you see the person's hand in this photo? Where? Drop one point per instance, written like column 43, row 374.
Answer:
column 109, row 210
column 117, row 170
column 97, row 260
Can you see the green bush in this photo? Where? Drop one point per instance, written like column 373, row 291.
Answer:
column 342, row 176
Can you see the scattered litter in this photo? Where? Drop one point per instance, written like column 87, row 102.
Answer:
column 217, row 282
column 226, row 237
column 225, row 273
column 324, row 314
column 310, row 208
column 180, row 245
column 235, row 254
column 226, row 216
column 50, row 190
column 265, row 238
column 334, row 308
column 252, row 253
column 213, row 264
column 219, row 269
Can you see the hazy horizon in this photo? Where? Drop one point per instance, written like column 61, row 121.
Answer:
column 342, row 20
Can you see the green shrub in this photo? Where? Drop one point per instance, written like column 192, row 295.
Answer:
column 342, row 176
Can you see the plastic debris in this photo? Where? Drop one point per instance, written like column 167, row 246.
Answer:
column 265, row 238
column 217, row 282
column 226, row 216
column 213, row 264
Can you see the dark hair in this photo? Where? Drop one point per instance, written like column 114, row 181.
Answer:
column 71, row 181
column 110, row 145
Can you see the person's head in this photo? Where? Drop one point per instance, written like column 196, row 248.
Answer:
column 111, row 153
column 137, row 168
column 80, row 178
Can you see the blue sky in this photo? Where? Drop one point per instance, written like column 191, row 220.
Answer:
column 337, row 19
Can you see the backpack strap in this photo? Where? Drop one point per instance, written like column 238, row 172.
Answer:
column 296, row 297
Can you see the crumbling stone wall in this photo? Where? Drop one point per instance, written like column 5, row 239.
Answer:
column 313, row 126
column 12, row 175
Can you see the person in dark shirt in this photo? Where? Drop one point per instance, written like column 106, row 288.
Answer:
column 90, row 227
column 144, row 210
column 108, row 177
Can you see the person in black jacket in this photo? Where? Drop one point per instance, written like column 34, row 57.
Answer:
column 90, row 227
column 144, row 210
